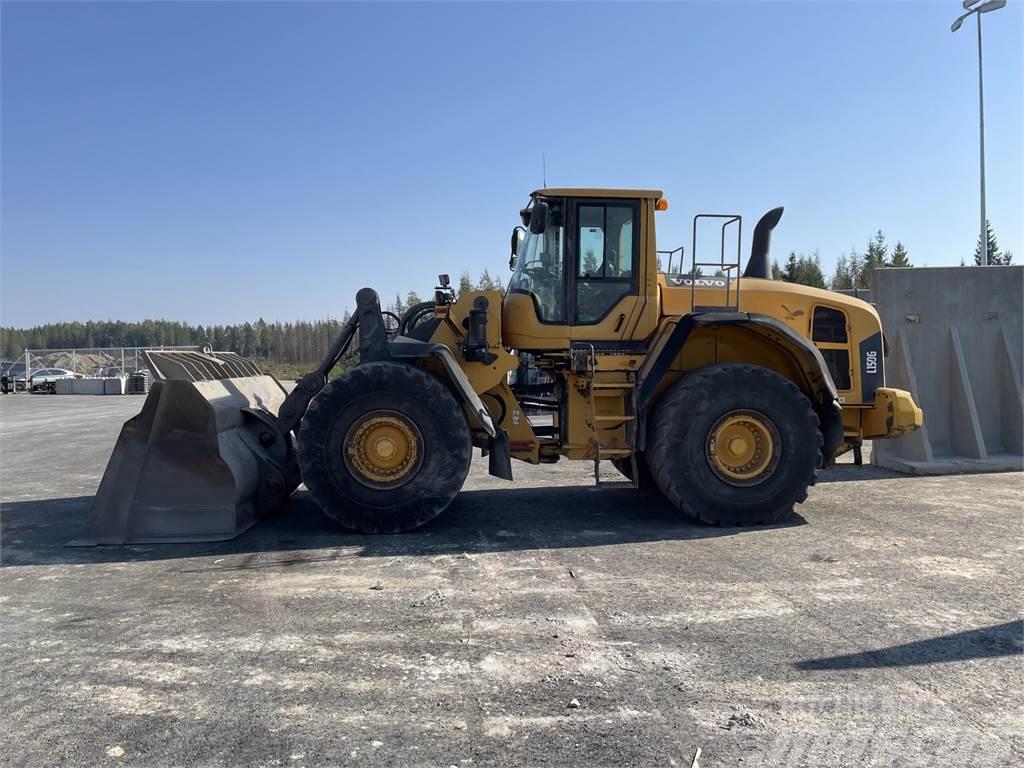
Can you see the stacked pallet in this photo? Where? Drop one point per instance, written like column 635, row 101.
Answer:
column 138, row 383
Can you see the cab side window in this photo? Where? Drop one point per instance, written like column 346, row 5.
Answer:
column 829, row 325
column 539, row 269
column 606, row 258
column 828, row 331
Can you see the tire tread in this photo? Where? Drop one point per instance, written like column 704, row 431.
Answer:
column 327, row 485
column 692, row 396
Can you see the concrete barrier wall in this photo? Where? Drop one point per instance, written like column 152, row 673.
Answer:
column 87, row 387
column 955, row 337
column 105, row 386
column 864, row 294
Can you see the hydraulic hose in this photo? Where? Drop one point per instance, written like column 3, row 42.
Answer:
column 412, row 316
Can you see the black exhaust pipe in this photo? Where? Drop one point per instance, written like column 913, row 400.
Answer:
column 759, row 264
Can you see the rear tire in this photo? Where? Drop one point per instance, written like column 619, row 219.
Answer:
column 384, row 448
column 776, row 431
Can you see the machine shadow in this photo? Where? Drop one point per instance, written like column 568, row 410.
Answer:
column 490, row 520
column 846, row 473
column 849, row 473
column 987, row 642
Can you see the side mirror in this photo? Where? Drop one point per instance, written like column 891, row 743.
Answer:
column 518, row 235
column 539, row 217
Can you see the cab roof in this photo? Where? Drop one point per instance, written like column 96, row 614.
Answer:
column 655, row 194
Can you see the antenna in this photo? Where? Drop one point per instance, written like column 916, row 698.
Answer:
column 544, row 166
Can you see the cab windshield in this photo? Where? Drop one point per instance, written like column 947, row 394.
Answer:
column 539, row 270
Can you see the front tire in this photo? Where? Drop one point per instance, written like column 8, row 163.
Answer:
column 384, row 448
column 734, row 444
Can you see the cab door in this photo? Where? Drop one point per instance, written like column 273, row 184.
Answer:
column 608, row 272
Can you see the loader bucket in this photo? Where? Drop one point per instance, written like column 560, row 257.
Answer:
column 203, row 461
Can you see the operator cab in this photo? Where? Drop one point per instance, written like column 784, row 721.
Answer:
column 582, row 268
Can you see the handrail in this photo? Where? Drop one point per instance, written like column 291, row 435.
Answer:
column 732, row 295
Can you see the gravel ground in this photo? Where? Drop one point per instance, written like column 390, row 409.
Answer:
column 544, row 622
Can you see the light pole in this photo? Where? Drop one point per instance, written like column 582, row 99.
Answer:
column 973, row 8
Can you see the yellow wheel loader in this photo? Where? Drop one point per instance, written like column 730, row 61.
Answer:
column 726, row 394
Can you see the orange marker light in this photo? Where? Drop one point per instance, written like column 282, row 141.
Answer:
column 661, row 205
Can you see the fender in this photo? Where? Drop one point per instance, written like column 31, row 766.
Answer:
column 374, row 345
column 500, row 450
column 817, row 379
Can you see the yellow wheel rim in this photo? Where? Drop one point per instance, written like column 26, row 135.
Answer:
column 383, row 449
column 743, row 448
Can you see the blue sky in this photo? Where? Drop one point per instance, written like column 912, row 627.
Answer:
column 221, row 162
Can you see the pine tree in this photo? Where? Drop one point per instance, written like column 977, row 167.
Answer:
column 811, row 272
column 855, row 265
column 247, row 339
column 842, row 278
column 995, row 257
column 486, row 282
column 899, row 256
column 776, row 272
column 589, row 263
column 993, row 245
column 264, row 336
column 792, row 269
column 412, row 299
column 804, row 269
column 874, row 258
column 465, row 284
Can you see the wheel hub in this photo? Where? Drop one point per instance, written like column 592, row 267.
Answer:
column 743, row 447
column 383, row 449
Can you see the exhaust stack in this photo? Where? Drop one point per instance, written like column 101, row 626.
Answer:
column 759, row 264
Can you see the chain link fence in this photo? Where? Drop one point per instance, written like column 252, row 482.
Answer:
column 48, row 365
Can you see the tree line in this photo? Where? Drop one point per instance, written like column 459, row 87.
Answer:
column 466, row 285
column 299, row 343
column 853, row 269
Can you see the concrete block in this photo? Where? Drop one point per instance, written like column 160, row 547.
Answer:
column 955, row 336
column 64, row 386
column 113, row 385
column 87, row 386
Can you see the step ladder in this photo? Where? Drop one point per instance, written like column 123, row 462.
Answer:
column 618, row 390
